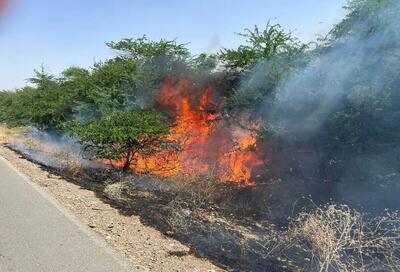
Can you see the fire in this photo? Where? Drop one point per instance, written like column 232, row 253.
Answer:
column 238, row 163
column 209, row 143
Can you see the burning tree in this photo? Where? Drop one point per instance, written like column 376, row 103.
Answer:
column 209, row 142
column 119, row 135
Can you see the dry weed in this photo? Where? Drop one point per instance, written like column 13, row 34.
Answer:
column 32, row 144
column 200, row 191
column 114, row 190
column 68, row 163
column 337, row 238
column 7, row 134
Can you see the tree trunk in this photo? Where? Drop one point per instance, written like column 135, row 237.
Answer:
column 127, row 163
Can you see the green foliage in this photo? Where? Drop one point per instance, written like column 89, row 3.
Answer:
column 46, row 105
column 261, row 45
column 43, row 80
column 276, row 134
column 365, row 137
column 268, row 56
column 155, row 61
column 357, row 125
column 109, row 86
column 119, row 135
column 361, row 139
column 143, row 49
column 363, row 18
column 204, row 64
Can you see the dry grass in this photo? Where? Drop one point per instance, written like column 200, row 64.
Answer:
column 6, row 134
column 32, row 144
column 191, row 195
column 337, row 238
column 114, row 190
column 201, row 190
column 69, row 163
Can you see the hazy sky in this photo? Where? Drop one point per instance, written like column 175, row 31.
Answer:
column 60, row 33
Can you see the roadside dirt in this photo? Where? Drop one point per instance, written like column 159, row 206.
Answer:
column 140, row 243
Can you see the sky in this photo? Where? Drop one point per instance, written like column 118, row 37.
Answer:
column 61, row 33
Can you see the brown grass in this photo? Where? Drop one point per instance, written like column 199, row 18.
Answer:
column 6, row 133
column 201, row 190
column 32, row 144
column 69, row 163
column 337, row 238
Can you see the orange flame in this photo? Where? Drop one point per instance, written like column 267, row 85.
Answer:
column 210, row 144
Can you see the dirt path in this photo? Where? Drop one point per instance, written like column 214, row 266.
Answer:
column 141, row 244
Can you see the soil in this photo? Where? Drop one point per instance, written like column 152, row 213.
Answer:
column 131, row 237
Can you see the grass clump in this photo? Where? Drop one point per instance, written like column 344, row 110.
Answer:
column 338, row 238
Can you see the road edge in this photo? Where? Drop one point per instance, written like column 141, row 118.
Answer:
column 95, row 237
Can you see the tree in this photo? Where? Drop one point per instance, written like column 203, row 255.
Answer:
column 110, row 85
column 155, row 61
column 120, row 135
column 261, row 45
column 142, row 49
column 261, row 64
column 44, row 105
column 365, row 18
column 43, row 80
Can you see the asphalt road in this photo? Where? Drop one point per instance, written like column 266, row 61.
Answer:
column 37, row 234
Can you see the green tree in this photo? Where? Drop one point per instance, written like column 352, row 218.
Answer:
column 261, row 64
column 120, row 135
column 47, row 105
column 155, row 60
column 143, row 49
column 110, row 85
column 364, row 18
column 261, row 45
column 44, row 105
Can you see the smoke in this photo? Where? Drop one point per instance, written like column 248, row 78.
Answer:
column 214, row 44
column 319, row 88
column 357, row 68
column 54, row 150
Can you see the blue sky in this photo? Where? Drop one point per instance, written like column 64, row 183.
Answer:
column 60, row 33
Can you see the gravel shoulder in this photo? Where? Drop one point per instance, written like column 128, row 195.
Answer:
column 139, row 243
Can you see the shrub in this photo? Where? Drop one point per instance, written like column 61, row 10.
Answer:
column 120, row 135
